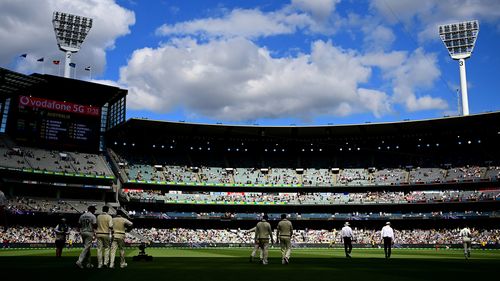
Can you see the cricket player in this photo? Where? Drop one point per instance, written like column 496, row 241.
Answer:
column 62, row 231
column 255, row 246
column 120, row 225
column 284, row 233
column 466, row 236
column 264, row 233
column 103, row 232
column 88, row 223
column 347, row 236
column 334, row 237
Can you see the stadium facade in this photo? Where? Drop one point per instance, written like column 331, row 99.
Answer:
column 66, row 143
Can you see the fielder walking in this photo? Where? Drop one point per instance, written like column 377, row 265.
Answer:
column 255, row 245
column 120, row 226
column 88, row 223
column 466, row 236
column 103, row 232
column 284, row 233
column 263, row 233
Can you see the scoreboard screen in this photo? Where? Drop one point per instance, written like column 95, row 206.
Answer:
column 55, row 123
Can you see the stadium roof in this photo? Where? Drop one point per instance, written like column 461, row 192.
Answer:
column 57, row 88
column 150, row 128
column 78, row 91
column 12, row 82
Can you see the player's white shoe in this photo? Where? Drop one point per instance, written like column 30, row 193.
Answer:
column 123, row 265
column 79, row 264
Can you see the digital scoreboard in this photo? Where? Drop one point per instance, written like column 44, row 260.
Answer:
column 56, row 123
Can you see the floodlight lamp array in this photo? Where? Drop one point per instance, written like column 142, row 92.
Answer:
column 459, row 38
column 70, row 30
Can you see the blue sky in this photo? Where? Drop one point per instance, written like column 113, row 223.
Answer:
column 303, row 62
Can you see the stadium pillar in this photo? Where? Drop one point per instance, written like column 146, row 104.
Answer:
column 67, row 68
column 463, row 86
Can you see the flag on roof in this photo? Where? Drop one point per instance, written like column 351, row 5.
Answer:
column 88, row 68
column 23, row 55
column 40, row 59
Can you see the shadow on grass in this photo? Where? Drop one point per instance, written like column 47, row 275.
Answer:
column 240, row 269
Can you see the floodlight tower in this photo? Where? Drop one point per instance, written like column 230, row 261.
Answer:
column 71, row 31
column 459, row 39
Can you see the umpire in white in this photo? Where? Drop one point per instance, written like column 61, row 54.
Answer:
column 387, row 235
column 347, row 236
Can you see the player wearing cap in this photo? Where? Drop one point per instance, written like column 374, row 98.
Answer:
column 88, row 223
column 103, row 232
column 62, row 231
column 284, row 233
column 387, row 235
column 120, row 226
column 347, row 236
column 264, row 233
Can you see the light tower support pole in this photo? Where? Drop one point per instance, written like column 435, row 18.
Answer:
column 460, row 39
column 463, row 87
column 67, row 68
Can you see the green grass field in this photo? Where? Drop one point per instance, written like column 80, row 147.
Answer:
column 233, row 264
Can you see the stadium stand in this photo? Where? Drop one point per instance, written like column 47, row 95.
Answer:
column 23, row 205
column 181, row 182
column 205, row 237
column 21, row 157
column 413, row 197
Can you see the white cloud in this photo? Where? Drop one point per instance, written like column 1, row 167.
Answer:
column 26, row 27
column 375, row 101
column 425, row 16
column 379, row 38
column 239, row 22
column 405, row 11
column 235, row 80
column 386, row 61
column 106, row 82
column 312, row 16
column 425, row 102
column 410, row 73
column 319, row 9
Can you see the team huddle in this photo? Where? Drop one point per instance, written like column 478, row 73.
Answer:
column 110, row 234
